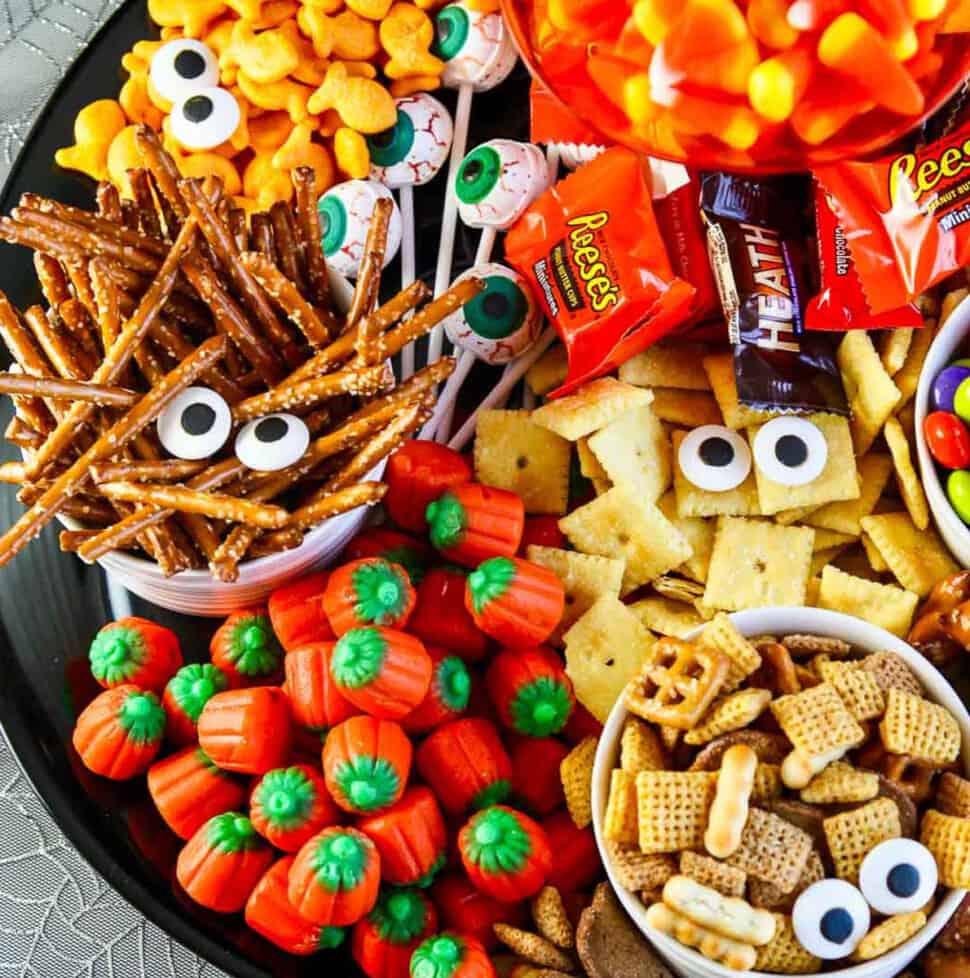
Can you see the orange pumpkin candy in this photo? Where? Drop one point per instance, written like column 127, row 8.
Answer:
column 385, row 939
column 530, row 691
column 246, row 650
column 289, row 805
column 247, row 730
column 366, row 763
column 451, row 955
column 135, row 651
column 296, row 612
column 370, row 591
column 315, row 698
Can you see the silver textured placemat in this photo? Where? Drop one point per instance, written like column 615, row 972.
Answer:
column 58, row 917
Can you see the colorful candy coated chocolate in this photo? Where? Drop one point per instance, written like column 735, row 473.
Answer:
column 961, row 400
column 497, row 181
column 476, row 47
column 416, row 147
column 947, row 439
column 945, row 386
column 958, row 492
column 345, row 213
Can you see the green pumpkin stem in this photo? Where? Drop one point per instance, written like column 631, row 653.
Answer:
column 447, row 521
column 492, row 794
column 116, row 654
column 490, row 581
column 367, row 782
column 380, row 591
column 252, row 646
column 142, row 718
column 232, row 832
column 358, row 657
column 194, row 685
column 453, row 684
column 331, row 937
column 540, row 708
column 286, row 797
column 339, row 861
column 400, row 915
column 497, row 842
column 438, row 957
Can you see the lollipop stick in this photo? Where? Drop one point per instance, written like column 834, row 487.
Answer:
column 408, row 265
column 513, row 373
column 446, row 400
column 552, row 162
column 486, row 244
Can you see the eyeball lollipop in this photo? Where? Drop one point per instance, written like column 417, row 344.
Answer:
column 345, row 213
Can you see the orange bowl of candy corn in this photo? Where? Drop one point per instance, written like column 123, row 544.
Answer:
column 766, row 85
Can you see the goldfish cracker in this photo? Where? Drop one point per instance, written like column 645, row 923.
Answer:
column 123, row 155
column 316, row 24
column 138, row 107
column 329, row 122
column 95, row 129
column 778, row 83
column 219, row 36
column 363, row 104
column 358, row 69
column 353, row 156
column 266, row 184
column 201, row 165
column 327, row 6
column 406, row 35
column 247, row 204
column 655, row 17
column 310, row 70
column 192, row 17
column 274, row 13
column 269, row 131
column 370, row 9
column 355, row 39
column 300, row 150
column 286, row 95
column 265, row 58
column 402, row 87
column 247, row 9
column 172, row 146
column 170, row 33
column 768, row 20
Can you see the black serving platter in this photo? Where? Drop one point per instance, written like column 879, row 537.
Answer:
column 51, row 604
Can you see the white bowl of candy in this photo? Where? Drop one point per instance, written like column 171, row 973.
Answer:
column 689, row 963
column 945, row 464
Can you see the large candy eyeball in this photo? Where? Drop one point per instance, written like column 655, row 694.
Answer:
column 273, row 442
column 497, row 181
column 345, row 214
column 898, row 876
column 205, row 119
column 791, row 451
column 416, row 147
column 830, row 918
column 182, row 67
column 714, row 458
column 476, row 47
column 195, row 425
column 502, row 321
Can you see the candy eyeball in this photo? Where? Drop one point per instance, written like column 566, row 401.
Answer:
column 273, row 442
column 898, row 876
column 195, row 425
column 345, row 214
column 501, row 322
column 791, row 451
column 476, row 47
column 830, row 918
column 497, row 181
column 416, row 147
column 205, row 119
column 714, row 458
column 182, row 67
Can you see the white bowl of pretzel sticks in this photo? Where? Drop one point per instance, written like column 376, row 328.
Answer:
column 861, row 635
column 90, row 455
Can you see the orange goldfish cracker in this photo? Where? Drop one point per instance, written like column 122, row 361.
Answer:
column 352, row 154
column 300, row 150
column 286, row 95
column 769, row 23
column 219, row 36
column 310, row 69
column 266, row 58
column 247, row 9
column 363, row 104
column 123, row 155
column 402, row 87
column 269, row 131
column 776, row 85
column 355, row 69
column 317, row 25
column 275, row 12
column 654, row 18
column 853, row 47
column 201, row 165
column 729, row 811
column 370, row 9
column 406, row 35
column 263, row 182
column 354, row 38
column 190, row 16
column 95, row 129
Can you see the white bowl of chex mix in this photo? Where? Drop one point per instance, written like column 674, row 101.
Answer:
column 753, row 809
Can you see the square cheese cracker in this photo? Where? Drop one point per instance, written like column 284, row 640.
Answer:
column 591, row 407
column 846, row 517
column 884, row 605
column 694, row 501
column 720, row 373
column 870, row 390
column 917, row 558
column 634, row 451
column 662, row 365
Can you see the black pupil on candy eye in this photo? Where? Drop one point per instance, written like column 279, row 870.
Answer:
column 198, row 419
column 189, row 64
column 198, row 108
column 271, row 429
column 903, row 880
column 382, row 139
column 716, row 451
column 790, row 450
column 472, row 171
column 836, row 925
column 495, row 304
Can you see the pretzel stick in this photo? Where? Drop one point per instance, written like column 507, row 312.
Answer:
column 311, row 392
column 239, row 228
column 164, row 171
column 88, row 510
column 148, row 218
column 69, row 364
column 161, row 470
column 21, row 346
column 71, row 541
column 185, row 500
column 433, row 313
column 20, row 434
column 170, row 338
column 309, row 236
column 12, row 473
column 371, row 262
column 108, row 201
column 316, row 327
column 362, row 494
column 75, row 316
column 289, row 538
column 262, row 235
column 98, row 394
column 52, row 280
column 288, row 256
column 416, row 386
column 77, row 272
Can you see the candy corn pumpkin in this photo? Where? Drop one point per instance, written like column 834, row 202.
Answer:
column 577, row 864
column 411, row 838
column 465, row 765
column 366, row 763
column 384, row 672
column 270, row 913
column 246, row 650
column 441, row 618
column 447, row 695
column 383, row 942
column 222, row 863
column 247, row 730
column 371, row 591
column 464, row 908
column 417, row 474
column 289, row 805
column 471, row 523
column 530, row 691
column 296, row 612
column 188, row 790
column 136, row 652
column 186, row 693
column 505, row 853
column 535, row 773
column 316, row 701
column 450, row 955
column 410, row 553
column 120, row 732
column 335, row 877
column 516, row 602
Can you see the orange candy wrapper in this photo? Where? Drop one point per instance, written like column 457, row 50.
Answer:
column 591, row 247
column 906, row 217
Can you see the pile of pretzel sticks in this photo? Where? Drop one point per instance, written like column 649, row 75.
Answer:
column 150, row 295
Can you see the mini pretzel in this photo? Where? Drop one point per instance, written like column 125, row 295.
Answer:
column 942, row 627
column 913, row 777
column 677, row 683
column 729, row 811
column 732, row 954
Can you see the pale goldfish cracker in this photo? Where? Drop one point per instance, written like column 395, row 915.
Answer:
column 191, row 17
column 268, row 132
column 202, row 165
column 95, row 130
column 286, row 95
column 732, row 954
column 300, row 150
column 351, row 152
column 620, row 820
column 275, row 12
column 734, row 712
column 948, row 838
column 264, row 183
column 923, row 730
column 852, row 835
column 330, row 122
column 363, row 104
column 728, row 916
column 123, row 155
column 316, row 24
column 635, row 870
column 777, row 84
column 840, row 784
column 729, row 811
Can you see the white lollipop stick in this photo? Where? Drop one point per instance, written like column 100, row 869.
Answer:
column 503, row 388
column 408, row 265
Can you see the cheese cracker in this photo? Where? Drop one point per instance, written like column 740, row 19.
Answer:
column 720, row 374
column 910, row 487
column 694, row 501
column 590, row 467
column 634, row 451
column 908, row 377
column 846, row 517
column 549, row 371
column 666, row 617
column 893, row 347
column 884, row 605
column 661, row 365
column 698, row 532
column 870, row 390
column 692, row 408
column 591, row 407
column 917, row 558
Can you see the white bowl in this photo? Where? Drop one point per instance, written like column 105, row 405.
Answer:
column 955, row 533
column 786, row 621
